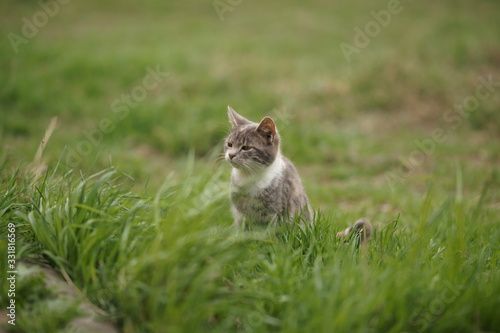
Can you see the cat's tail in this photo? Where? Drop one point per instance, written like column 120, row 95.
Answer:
column 363, row 227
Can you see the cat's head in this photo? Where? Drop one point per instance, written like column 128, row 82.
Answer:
column 250, row 146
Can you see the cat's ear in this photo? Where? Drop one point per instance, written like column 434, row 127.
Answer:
column 235, row 119
column 267, row 127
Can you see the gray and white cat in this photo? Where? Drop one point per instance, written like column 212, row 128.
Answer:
column 265, row 186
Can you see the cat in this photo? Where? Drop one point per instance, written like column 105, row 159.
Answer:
column 265, row 186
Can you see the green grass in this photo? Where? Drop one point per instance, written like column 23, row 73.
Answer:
column 131, row 204
column 171, row 262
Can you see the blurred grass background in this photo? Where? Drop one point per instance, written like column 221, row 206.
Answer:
column 345, row 124
column 340, row 120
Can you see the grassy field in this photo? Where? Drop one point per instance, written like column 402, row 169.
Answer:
column 390, row 111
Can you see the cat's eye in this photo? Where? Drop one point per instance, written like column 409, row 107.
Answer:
column 229, row 144
column 246, row 147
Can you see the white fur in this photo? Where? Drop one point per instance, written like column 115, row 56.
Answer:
column 262, row 180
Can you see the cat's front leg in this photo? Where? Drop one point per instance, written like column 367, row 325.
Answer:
column 238, row 217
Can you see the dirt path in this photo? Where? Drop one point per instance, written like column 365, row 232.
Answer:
column 91, row 316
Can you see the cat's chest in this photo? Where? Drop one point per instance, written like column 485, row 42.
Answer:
column 256, row 199
column 254, row 187
column 257, row 185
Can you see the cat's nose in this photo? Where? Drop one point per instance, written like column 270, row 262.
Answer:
column 231, row 156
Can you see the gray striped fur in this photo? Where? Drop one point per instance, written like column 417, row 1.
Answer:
column 265, row 186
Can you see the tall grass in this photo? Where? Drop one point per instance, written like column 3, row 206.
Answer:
column 155, row 267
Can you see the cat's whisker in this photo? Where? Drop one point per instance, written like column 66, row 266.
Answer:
column 247, row 169
column 220, row 162
column 251, row 169
column 256, row 170
column 220, row 158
